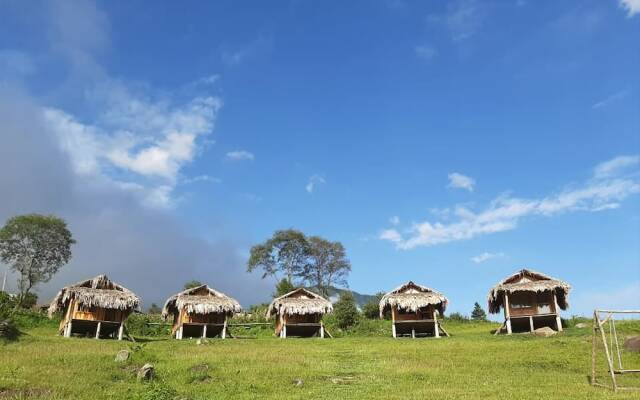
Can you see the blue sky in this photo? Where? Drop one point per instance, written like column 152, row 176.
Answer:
column 450, row 143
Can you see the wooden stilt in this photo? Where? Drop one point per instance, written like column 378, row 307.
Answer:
column 69, row 327
column 224, row 329
column 507, row 314
column 557, row 311
column 204, row 331
column 284, row 331
column 531, row 323
column 436, row 331
column 413, row 333
column 120, row 330
column 593, row 349
column 393, row 322
column 393, row 330
column 98, row 330
column 321, row 330
column 606, row 352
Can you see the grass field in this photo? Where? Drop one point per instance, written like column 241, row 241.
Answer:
column 472, row 364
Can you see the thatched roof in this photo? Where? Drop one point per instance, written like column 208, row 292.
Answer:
column 300, row 301
column 528, row 281
column 412, row 297
column 97, row 292
column 200, row 300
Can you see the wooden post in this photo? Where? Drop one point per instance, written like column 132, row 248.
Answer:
column 558, row 320
column 204, row 331
column 224, row 328
column 393, row 322
column 531, row 323
column 67, row 329
column 413, row 333
column 593, row 349
column 606, row 351
column 180, row 332
column 436, row 331
column 321, row 330
column 120, row 330
column 98, row 330
column 507, row 314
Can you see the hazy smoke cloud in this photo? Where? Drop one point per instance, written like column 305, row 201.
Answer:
column 146, row 250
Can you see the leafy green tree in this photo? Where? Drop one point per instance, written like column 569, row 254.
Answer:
column 36, row 247
column 371, row 310
column 346, row 311
column 283, row 287
column 478, row 313
column 154, row 309
column 285, row 253
column 328, row 264
column 192, row 284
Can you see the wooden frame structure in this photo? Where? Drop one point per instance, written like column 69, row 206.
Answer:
column 96, row 307
column 530, row 300
column 599, row 331
column 200, row 312
column 414, row 311
column 299, row 313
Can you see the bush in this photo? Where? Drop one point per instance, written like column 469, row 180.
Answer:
column 456, row 316
column 138, row 325
column 345, row 311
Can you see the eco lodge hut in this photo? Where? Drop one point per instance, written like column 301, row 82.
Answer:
column 530, row 300
column 96, row 307
column 200, row 312
column 299, row 313
column 414, row 310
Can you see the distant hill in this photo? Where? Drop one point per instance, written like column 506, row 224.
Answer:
column 361, row 299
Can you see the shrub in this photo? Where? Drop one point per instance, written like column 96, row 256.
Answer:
column 345, row 311
column 478, row 313
column 456, row 316
column 139, row 324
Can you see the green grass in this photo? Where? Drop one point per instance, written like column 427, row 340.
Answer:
column 472, row 364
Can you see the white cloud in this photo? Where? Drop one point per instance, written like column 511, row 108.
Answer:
column 240, row 155
column 615, row 166
column 632, row 7
column 459, row 181
column 464, row 19
column 391, row 235
column 314, row 181
column 504, row 213
column 426, row 52
column 395, row 220
column 486, row 256
column 201, row 178
column 610, row 99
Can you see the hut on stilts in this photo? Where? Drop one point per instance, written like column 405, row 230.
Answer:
column 299, row 313
column 96, row 307
column 200, row 312
column 530, row 300
column 414, row 310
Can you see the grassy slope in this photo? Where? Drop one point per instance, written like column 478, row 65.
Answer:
column 472, row 364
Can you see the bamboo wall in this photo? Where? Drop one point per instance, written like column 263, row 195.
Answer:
column 532, row 303
column 423, row 313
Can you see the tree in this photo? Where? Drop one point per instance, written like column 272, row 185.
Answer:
column 478, row 313
column 283, row 287
column 36, row 247
column 328, row 264
column 371, row 309
column 154, row 309
column 345, row 311
column 192, row 284
column 286, row 253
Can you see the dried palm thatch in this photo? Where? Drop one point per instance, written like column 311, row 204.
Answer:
column 528, row 281
column 412, row 297
column 97, row 292
column 200, row 300
column 300, row 301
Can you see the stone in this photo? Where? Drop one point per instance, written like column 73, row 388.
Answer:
column 202, row 341
column 123, row 355
column 298, row 382
column 581, row 325
column 544, row 332
column 146, row 373
column 632, row 344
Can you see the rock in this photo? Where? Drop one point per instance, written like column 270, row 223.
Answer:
column 199, row 368
column 202, row 341
column 146, row 373
column 581, row 325
column 544, row 332
column 123, row 355
column 298, row 382
column 632, row 343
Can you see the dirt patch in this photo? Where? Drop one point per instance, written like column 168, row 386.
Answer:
column 632, row 344
column 24, row 393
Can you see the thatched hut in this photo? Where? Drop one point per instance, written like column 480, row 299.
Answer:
column 530, row 300
column 299, row 313
column 96, row 307
column 199, row 312
column 414, row 310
